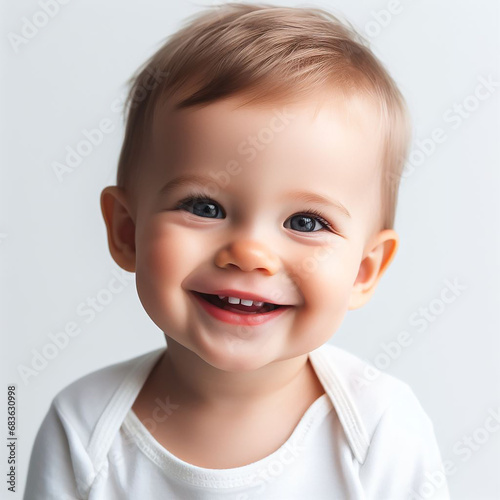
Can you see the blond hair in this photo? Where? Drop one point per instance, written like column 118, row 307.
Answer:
column 263, row 51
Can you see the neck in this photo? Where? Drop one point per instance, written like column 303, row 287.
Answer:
column 187, row 378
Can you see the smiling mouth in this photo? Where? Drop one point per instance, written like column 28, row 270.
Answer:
column 237, row 308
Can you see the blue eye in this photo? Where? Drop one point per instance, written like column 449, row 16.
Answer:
column 203, row 207
column 307, row 224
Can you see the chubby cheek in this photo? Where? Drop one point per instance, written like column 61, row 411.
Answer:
column 165, row 256
column 326, row 282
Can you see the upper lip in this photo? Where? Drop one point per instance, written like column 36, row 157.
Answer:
column 227, row 292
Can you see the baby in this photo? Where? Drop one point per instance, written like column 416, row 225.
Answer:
column 255, row 202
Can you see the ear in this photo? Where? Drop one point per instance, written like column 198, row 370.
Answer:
column 381, row 252
column 120, row 227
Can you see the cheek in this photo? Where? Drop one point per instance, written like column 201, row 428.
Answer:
column 165, row 256
column 326, row 280
column 163, row 252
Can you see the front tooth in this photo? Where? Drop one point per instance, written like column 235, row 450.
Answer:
column 233, row 300
column 247, row 302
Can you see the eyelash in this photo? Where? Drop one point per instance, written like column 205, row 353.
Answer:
column 319, row 216
column 200, row 196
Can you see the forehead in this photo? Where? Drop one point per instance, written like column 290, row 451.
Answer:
column 325, row 143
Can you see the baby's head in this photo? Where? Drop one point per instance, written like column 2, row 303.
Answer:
column 261, row 160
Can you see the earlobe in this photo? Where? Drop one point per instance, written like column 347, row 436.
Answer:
column 382, row 251
column 120, row 227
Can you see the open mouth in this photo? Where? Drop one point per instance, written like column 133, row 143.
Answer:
column 266, row 307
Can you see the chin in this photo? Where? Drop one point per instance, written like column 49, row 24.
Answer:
column 234, row 355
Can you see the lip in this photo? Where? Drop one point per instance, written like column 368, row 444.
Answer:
column 230, row 292
column 236, row 318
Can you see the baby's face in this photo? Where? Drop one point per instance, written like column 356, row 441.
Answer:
column 261, row 170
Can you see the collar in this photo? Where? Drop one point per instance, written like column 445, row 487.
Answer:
column 328, row 362
column 335, row 368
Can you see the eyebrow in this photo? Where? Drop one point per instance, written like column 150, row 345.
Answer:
column 182, row 180
column 304, row 196
column 308, row 197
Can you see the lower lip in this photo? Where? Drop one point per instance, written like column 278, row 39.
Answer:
column 236, row 318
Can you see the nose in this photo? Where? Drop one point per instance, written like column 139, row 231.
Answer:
column 248, row 255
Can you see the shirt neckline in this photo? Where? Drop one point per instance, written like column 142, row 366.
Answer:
column 327, row 360
column 244, row 475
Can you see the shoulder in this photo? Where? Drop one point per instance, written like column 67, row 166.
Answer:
column 82, row 403
column 364, row 397
column 80, row 425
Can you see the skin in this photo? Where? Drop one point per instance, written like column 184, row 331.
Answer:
column 241, row 391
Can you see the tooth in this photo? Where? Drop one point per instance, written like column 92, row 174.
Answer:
column 233, row 300
column 258, row 303
column 247, row 302
column 221, row 296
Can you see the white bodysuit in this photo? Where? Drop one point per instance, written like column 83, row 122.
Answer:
column 367, row 437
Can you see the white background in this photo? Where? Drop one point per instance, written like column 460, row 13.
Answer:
column 53, row 245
